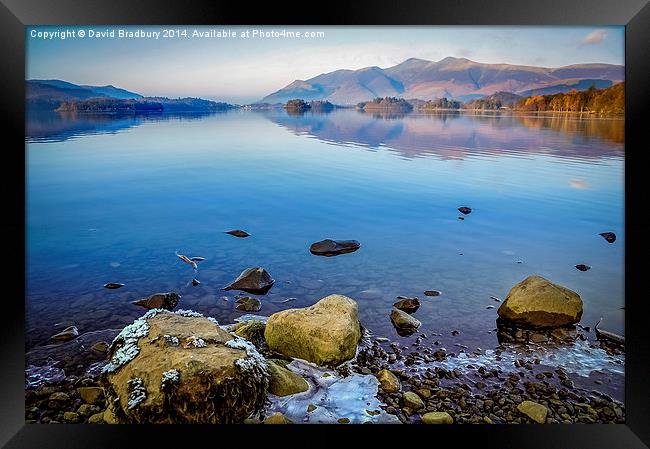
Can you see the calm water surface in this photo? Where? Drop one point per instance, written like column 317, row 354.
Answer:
column 111, row 200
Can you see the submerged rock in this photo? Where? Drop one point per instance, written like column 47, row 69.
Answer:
column 464, row 210
column 113, row 285
column 536, row 412
column 256, row 281
column 167, row 301
column 195, row 282
column 537, row 302
column 248, row 304
column 66, row 334
column 284, row 382
column 326, row 333
column 330, row 248
column 180, row 367
column 408, row 305
column 583, row 267
column 238, row 233
column 609, row 236
column 404, row 323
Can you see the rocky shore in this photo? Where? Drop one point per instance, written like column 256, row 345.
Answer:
column 318, row 364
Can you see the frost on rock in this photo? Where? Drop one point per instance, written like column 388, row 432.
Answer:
column 188, row 313
column 196, row 342
column 169, row 379
column 126, row 341
column 138, row 392
column 171, row 339
column 254, row 362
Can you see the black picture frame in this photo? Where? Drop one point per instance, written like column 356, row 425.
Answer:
column 16, row 14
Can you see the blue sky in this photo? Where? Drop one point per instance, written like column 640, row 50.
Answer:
column 243, row 70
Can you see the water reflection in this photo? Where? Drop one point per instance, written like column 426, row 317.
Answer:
column 47, row 126
column 457, row 135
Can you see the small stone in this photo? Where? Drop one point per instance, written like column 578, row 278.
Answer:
column 109, row 416
column 71, row 417
column 86, row 410
column 91, row 395
column 408, row 305
column 167, row 301
column 195, row 282
column 536, row 412
column 388, row 381
column 284, row 382
column 404, row 323
column 100, row 347
column 432, row 293
column 66, row 334
column 97, row 418
column 113, row 285
column 238, row 233
column 330, row 247
column 256, row 281
column 424, row 393
column 373, row 412
column 343, row 421
column 277, row 418
column 412, row 401
column 464, row 210
column 311, row 408
column 59, row 396
column 437, row 418
column 609, row 236
column 583, row 267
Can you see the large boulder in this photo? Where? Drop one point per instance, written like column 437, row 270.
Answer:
column 326, row 333
column 537, row 302
column 183, row 368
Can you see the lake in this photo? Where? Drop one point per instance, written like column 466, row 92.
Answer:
column 111, row 199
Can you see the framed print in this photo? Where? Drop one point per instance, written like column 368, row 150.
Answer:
column 419, row 218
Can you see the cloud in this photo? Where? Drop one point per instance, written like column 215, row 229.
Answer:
column 595, row 37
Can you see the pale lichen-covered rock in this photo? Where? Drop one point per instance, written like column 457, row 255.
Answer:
column 537, row 302
column 326, row 333
column 180, row 367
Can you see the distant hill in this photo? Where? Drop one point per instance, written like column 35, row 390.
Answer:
column 68, row 97
column 49, row 94
column 452, row 78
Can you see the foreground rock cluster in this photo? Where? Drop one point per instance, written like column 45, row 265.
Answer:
column 182, row 367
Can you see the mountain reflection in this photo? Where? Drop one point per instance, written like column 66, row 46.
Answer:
column 456, row 135
column 45, row 126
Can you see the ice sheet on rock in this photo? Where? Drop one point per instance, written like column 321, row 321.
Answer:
column 335, row 397
column 35, row 376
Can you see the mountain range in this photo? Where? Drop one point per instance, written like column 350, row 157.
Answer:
column 454, row 78
column 50, row 95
